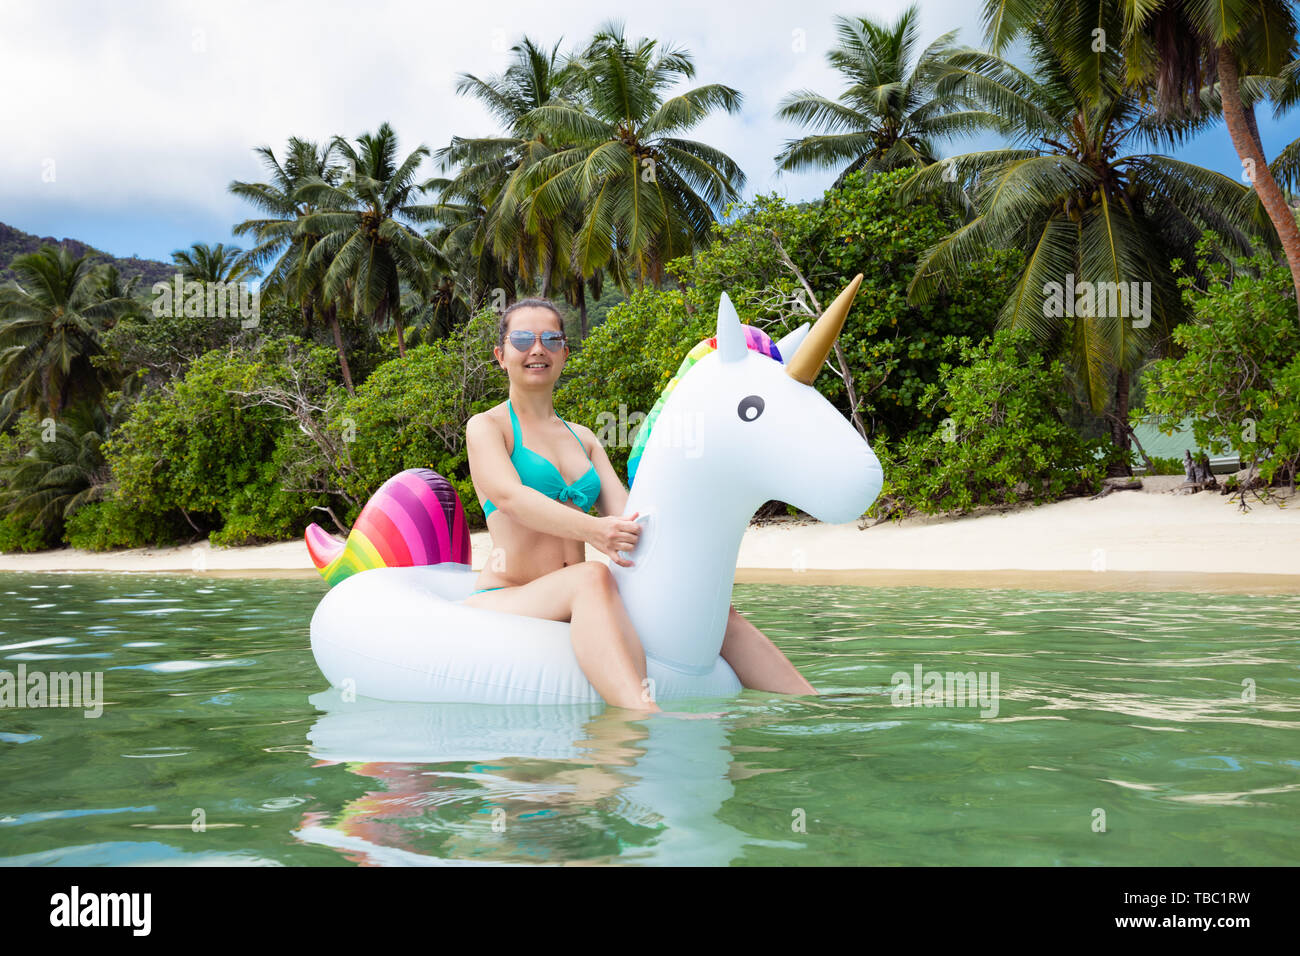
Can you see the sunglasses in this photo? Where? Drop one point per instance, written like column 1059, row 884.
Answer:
column 523, row 339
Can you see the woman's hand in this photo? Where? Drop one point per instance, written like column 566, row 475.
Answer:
column 611, row 534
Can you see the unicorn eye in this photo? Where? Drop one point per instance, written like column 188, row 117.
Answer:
column 750, row 407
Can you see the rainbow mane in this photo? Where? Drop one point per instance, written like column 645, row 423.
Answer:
column 755, row 338
column 414, row 519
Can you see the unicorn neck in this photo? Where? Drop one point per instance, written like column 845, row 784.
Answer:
column 679, row 592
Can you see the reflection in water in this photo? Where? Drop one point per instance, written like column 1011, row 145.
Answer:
column 472, row 781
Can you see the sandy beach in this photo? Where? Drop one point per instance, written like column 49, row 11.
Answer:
column 1154, row 537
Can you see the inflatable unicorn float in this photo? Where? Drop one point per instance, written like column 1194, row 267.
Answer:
column 738, row 425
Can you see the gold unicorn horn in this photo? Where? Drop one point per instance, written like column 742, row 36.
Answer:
column 812, row 351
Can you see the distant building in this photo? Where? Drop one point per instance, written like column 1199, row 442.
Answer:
column 1157, row 444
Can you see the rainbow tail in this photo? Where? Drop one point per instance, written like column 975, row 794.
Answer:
column 414, row 519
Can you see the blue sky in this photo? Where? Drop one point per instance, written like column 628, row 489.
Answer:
column 124, row 123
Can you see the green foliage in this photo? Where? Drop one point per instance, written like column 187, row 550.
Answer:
column 895, row 347
column 1166, row 466
column 109, row 524
column 61, row 470
column 411, row 412
column 203, row 446
column 626, row 188
column 892, row 348
column 1003, row 441
column 625, row 363
column 1239, row 377
column 19, row 533
column 161, row 347
column 50, row 323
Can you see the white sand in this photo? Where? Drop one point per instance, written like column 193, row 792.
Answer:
column 1125, row 533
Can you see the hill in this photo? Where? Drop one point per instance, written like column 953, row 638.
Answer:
column 15, row 242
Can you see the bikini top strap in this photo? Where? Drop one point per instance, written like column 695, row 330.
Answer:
column 577, row 439
column 514, row 423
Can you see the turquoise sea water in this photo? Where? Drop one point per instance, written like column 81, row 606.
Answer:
column 1127, row 728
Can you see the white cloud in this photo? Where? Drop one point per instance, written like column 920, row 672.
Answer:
column 149, row 110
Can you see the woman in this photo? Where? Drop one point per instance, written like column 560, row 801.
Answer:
column 520, row 453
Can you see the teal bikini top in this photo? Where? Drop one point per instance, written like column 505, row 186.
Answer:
column 537, row 472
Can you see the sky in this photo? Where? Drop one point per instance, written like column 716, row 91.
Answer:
column 123, row 124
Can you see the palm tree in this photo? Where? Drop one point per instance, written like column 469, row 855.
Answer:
column 888, row 117
column 50, row 323
column 483, row 206
column 368, row 246
column 204, row 263
column 282, row 244
column 57, row 477
column 645, row 194
column 462, row 236
column 1177, row 47
column 1082, row 208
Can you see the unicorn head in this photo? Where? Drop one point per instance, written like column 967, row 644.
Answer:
column 738, row 426
column 741, row 423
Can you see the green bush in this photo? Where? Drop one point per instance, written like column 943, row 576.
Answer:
column 614, row 381
column 896, row 348
column 19, row 533
column 1003, row 440
column 108, row 524
column 1166, row 466
column 1239, row 377
column 893, row 348
column 205, row 449
column 411, row 413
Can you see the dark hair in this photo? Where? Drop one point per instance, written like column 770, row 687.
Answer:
column 524, row 304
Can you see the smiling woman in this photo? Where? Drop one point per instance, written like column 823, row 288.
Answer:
column 536, row 494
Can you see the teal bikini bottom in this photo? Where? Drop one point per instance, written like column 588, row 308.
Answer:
column 481, row 590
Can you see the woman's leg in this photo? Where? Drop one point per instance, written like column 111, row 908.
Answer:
column 757, row 661
column 604, row 640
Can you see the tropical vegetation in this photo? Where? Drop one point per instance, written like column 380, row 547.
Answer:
column 1017, row 300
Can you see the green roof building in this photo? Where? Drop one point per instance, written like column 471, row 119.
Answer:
column 1158, row 444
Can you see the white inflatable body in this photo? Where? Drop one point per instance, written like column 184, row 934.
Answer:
column 737, row 430
column 401, row 634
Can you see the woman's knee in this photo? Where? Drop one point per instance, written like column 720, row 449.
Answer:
column 596, row 577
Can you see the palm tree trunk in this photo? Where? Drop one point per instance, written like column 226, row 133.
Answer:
column 582, row 310
column 1119, row 427
column 332, row 317
column 1284, row 220
column 396, row 309
column 1249, row 112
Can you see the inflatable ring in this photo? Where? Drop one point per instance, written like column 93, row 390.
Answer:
column 736, row 427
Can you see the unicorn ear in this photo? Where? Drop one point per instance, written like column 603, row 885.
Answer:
column 731, row 337
column 789, row 343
